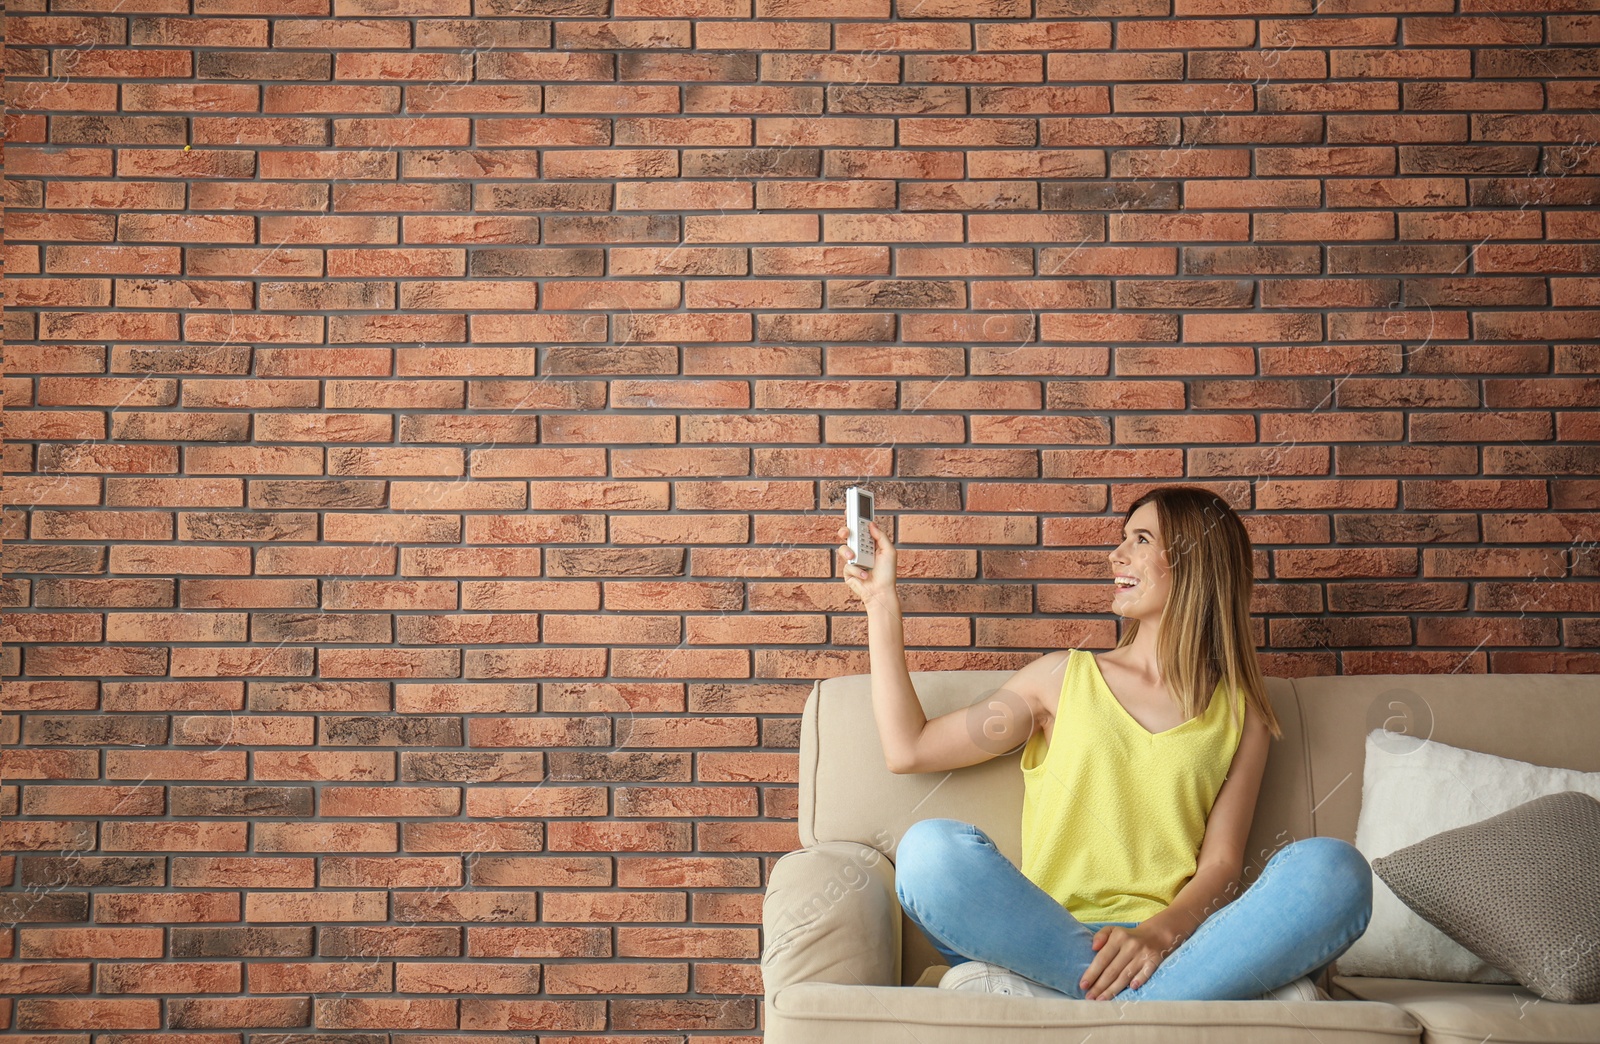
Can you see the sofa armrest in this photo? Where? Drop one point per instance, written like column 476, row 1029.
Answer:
column 831, row 915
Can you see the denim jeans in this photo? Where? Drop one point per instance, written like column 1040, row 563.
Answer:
column 1311, row 902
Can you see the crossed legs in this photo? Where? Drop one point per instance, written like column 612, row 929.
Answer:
column 1311, row 902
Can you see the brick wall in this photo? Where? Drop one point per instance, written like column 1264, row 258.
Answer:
column 426, row 425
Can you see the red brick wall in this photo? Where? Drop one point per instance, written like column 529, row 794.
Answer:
column 426, row 427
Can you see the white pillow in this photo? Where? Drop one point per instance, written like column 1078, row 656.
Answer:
column 1410, row 790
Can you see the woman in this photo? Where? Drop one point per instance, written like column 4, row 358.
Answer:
column 1141, row 767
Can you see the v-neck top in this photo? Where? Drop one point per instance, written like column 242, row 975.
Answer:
column 1113, row 814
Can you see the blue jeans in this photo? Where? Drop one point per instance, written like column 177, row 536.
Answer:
column 1310, row 904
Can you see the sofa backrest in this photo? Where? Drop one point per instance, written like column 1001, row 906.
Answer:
column 1314, row 773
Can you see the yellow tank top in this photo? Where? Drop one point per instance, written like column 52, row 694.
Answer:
column 1112, row 814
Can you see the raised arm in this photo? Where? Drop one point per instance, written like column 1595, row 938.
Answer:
column 911, row 742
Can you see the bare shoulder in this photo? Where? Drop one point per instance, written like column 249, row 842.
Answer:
column 1256, row 728
column 1254, row 740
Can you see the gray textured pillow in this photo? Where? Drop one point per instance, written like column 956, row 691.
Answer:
column 1520, row 889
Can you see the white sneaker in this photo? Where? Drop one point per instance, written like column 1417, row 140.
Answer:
column 982, row 977
column 1301, row 989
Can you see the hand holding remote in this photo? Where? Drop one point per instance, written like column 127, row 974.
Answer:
column 873, row 586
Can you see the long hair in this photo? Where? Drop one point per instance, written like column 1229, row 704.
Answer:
column 1206, row 635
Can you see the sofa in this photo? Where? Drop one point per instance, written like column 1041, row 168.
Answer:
column 840, row 962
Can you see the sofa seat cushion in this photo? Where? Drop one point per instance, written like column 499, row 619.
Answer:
column 827, row 1013
column 1471, row 1012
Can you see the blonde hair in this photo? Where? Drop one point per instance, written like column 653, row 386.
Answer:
column 1206, row 635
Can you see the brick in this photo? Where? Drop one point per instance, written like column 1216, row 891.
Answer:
column 464, row 698
column 199, row 871
column 389, row 873
column 44, row 764
column 254, row 730
column 84, row 227
column 346, row 836
column 197, row 1013
column 611, row 978
column 456, row 837
column 473, row 767
column 52, row 628
column 637, row 836
column 206, row 32
column 281, row 525
column 176, row 163
column 84, row 800
column 721, row 1013
column 45, row 979
column 353, row 164
column 148, row 836
column 47, row 908
column 184, row 97
column 329, row 98
column 65, row 30
column 747, row 766
column 241, row 942
column 98, row 730
column 315, row 906
column 544, row 68
column 336, row 34
column 324, row 766
column 180, row 428
column 133, row 764
column 613, row 906
column 728, row 907
column 265, row 261
column 176, row 492
column 176, row 908
column 240, row 800
column 686, row 801
column 248, row 594
column 104, row 1014
column 541, row 802
column 539, row 871
column 327, row 561
column 469, row 906
column 480, row 1014
column 175, row 627
column 390, row 801
column 456, row 978
column 643, row 941
column 346, row 696
column 54, row 835
column 324, row 428
column 261, row 65
column 57, row 943
column 395, row 663
column 572, row 731
column 687, row 872
column 320, row 977
column 390, row 941
column 89, row 870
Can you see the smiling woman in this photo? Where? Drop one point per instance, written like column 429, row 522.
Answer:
column 1141, row 768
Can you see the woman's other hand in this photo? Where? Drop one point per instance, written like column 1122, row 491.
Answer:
column 1124, row 957
column 873, row 586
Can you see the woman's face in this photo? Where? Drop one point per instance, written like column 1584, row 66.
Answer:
column 1141, row 557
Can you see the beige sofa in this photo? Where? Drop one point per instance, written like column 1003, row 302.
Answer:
column 840, row 960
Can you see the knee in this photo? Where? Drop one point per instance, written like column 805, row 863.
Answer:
column 928, row 846
column 1340, row 867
